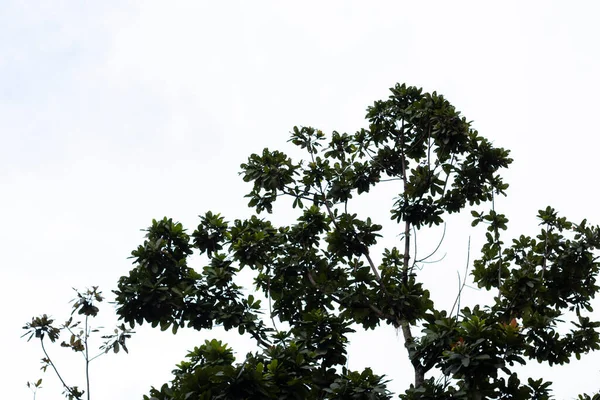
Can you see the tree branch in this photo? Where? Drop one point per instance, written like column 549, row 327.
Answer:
column 461, row 287
column 67, row 388
column 87, row 358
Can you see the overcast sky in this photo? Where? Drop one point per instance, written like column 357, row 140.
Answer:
column 116, row 112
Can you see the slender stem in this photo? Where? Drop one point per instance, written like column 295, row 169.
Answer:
column 434, row 251
column 429, row 172
column 414, row 264
column 389, row 180
column 56, row 370
column 87, row 358
column 373, row 268
column 462, row 286
column 33, row 389
column 448, row 176
column 99, row 354
column 406, row 260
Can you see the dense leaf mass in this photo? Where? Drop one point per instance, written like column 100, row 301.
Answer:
column 322, row 282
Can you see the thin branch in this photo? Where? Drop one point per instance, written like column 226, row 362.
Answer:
column 461, row 287
column 390, row 180
column 67, row 388
column 434, row 261
column 429, row 152
column 87, row 357
column 436, row 248
column 458, row 296
column 98, row 355
column 242, row 368
column 448, row 175
column 415, row 255
column 373, row 268
column 406, row 260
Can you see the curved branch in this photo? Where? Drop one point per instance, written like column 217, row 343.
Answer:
column 67, row 388
column 435, row 261
column 461, row 287
column 436, row 248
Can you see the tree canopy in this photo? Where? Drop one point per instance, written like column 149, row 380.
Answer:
column 322, row 281
column 325, row 276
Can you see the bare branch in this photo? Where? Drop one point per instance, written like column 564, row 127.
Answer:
column 436, row 248
column 67, row 388
column 462, row 286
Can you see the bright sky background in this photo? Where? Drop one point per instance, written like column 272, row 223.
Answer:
column 116, row 112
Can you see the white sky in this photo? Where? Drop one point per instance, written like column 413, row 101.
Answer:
column 116, row 112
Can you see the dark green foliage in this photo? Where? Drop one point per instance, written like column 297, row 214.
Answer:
column 321, row 280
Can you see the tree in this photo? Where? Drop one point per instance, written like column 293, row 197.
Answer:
column 43, row 327
column 322, row 281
